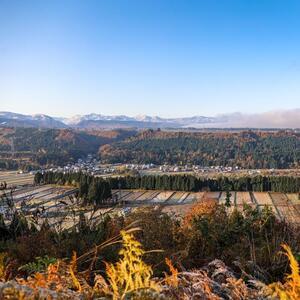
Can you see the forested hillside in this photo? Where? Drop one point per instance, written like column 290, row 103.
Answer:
column 247, row 149
column 33, row 146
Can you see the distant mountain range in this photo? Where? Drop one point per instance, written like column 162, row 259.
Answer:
column 97, row 121
column 274, row 119
column 11, row 119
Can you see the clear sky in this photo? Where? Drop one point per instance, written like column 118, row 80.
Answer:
column 158, row 57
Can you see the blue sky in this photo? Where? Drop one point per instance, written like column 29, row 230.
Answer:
column 159, row 57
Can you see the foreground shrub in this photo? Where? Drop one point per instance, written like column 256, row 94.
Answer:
column 161, row 231
column 40, row 264
column 247, row 241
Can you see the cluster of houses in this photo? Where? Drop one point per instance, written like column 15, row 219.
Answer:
column 92, row 166
column 197, row 169
column 139, row 166
column 89, row 165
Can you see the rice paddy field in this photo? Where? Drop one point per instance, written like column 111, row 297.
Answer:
column 12, row 178
column 285, row 206
column 59, row 203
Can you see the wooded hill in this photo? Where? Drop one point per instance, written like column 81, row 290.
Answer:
column 33, row 147
column 246, row 149
column 45, row 147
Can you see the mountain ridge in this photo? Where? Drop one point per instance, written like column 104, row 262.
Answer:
column 94, row 120
column 271, row 119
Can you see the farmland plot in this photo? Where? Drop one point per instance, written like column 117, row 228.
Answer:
column 133, row 196
column 100, row 212
column 162, row 197
column 294, row 198
column 20, row 181
column 54, row 193
column 124, row 194
column 175, row 197
column 289, row 214
column 21, row 190
column 39, row 200
column 12, row 178
column 193, row 197
column 279, row 199
column 31, row 193
column 222, row 198
column 5, row 174
column 147, row 196
column 243, row 198
column 213, row 195
column 263, row 198
column 48, row 193
column 44, row 194
column 56, row 202
column 183, row 197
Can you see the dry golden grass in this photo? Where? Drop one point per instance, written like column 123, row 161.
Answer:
column 171, row 280
column 73, row 271
column 2, row 266
column 130, row 273
column 290, row 289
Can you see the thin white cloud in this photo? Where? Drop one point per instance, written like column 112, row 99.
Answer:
column 272, row 119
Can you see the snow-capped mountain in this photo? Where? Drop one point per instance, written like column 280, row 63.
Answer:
column 145, row 118
column 275, row 119
column 98, row 121
column 79, row 119
column 11, row 119
column 95, row 117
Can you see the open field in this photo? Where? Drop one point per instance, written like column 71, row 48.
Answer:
column 59, row 202
column 285, row 206
column 294, row 198
column 262, row 198
column 12, row 178
column 243, row 198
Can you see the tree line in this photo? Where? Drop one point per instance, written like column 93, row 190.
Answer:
column 91, row 189
column 190, row 183
column 98, row 190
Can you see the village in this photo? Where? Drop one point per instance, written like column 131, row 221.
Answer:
column 93, row 166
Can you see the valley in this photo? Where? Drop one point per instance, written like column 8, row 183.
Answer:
column 61, row 205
